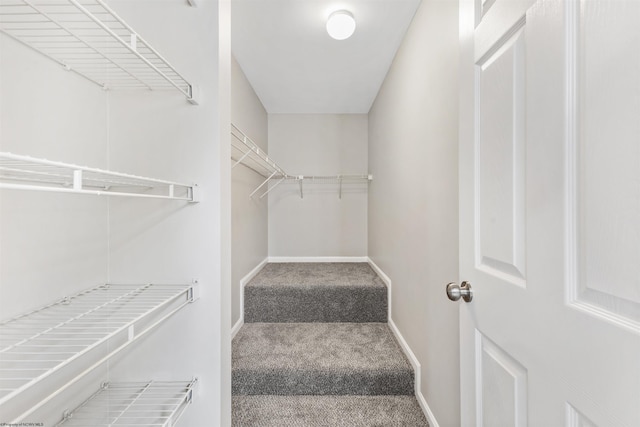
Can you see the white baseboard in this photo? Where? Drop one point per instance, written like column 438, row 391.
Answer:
column 417, row 372
column 387, row 282
column 237, row 326
column 243, row 283
column 415, row 364
column 276, row 259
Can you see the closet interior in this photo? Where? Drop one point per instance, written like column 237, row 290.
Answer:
column 110, row 272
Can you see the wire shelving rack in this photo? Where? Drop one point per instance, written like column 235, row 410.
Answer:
column 20, row 172
column 35, row 345
column 152, row 403
column 90, row 39
column 246, row 152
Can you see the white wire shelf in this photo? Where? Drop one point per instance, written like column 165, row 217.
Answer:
column 89, row 38
column 246, row 152
column 19, row 172
column 152, row 403
column 35, row 345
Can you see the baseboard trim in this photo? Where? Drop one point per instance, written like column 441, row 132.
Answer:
column 417, row 370
column 237, row 326
column 243, row 283
column 415, row 364
column 387, row 282
column 276, row 259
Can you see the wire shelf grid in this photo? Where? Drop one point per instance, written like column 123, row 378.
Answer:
column 89, row 38
column 30, row 173
column 36, row 344
column 152, row 403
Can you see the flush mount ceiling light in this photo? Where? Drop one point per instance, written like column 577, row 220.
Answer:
column 341, row 25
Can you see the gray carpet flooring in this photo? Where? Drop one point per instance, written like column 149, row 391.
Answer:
column 316, row 292
column 327, row 411
column 315, row 350
column 319, row 358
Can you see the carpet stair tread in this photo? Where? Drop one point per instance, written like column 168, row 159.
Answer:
column 316, row 292
column 308, row 274
column 327, row 411
column 319, row 359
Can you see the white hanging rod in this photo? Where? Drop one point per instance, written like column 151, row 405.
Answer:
column 89, row 38
column 18, row 172
column 332, row 178
column 39, row 343
column 151, row 403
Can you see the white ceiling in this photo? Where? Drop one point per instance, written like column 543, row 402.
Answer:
column 295, row 67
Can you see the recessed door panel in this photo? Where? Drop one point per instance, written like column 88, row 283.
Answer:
column 502, row 386
column 606, row 155
column 500, row 139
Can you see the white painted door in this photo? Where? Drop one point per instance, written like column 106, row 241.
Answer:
column 550, row 212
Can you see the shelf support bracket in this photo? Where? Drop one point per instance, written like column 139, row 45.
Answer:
column 272, row 187
column 194, row 291
column 194, row 194
column 241, row 159
column 262, row 185
column 300, row 179
column 194, row 95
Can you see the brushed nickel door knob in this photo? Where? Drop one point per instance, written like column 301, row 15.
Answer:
column 455, row 291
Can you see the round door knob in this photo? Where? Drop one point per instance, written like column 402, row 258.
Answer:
column 463, row 290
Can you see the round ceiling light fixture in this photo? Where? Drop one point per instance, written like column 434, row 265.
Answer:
column 341, row 25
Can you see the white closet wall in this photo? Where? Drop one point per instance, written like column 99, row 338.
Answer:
column 413, row 200
column 320, row 224
column 249, row 215
column 56, row 244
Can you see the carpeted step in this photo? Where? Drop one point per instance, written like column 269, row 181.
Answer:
column 334, row 411
column 315, row 292
column 319, row 359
